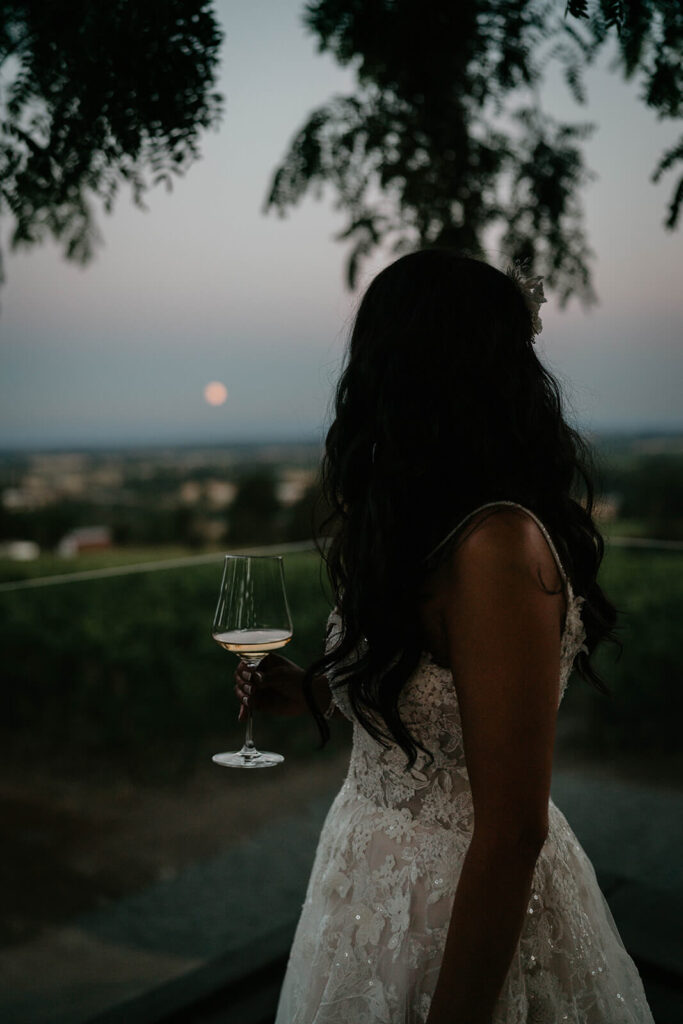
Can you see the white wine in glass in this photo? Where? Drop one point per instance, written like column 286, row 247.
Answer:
column 252, row 619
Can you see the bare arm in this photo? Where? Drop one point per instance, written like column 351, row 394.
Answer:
column 503, row 638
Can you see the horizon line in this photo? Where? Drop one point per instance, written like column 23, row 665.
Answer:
column 309, row 440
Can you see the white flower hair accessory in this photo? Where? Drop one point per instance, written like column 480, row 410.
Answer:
column 532, row 290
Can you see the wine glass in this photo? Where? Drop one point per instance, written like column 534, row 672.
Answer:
column 252, row 618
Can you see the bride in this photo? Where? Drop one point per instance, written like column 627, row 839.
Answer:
column 447, row 887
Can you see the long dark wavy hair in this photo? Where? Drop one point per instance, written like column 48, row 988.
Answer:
column 443, row 405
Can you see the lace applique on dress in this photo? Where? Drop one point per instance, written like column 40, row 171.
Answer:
column 370, row 939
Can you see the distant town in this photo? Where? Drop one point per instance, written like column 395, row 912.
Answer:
column 71, row 502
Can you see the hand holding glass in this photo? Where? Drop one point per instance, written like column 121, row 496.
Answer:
column 252, row 618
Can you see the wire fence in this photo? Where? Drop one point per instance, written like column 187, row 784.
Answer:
column 140, row 567
column 187, row 561
column 646, row 542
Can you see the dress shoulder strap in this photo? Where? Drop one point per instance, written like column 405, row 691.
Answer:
column 491, row 504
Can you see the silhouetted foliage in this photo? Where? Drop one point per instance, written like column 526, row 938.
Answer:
column 445, row 136
column 254, row 512
column 650, row 489
column 44, row 525
column 308, row 516
column 96, row 95
column 127, row 665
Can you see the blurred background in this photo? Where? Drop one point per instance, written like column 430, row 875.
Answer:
column 168, row 348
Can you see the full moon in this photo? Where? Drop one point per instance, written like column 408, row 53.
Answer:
column 215, row 393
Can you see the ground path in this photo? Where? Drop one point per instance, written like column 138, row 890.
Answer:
column 226, row 862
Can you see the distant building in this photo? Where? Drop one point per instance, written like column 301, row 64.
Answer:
column 220, row 493
column 85, row 538
column 217, row 493
column 30, row 497
column 293, row 484
column 190, row 492
column 20, row 550
column 210, row 531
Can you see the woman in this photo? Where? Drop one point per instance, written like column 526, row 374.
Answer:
column 447, row 888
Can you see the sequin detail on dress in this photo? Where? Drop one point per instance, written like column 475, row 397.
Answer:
column 370, row 939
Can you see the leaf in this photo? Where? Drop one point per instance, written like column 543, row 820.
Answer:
column 668, row 159
column 576, row 9
column 675, row 206
column 613, row 13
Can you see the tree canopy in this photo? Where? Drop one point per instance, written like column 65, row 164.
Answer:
column 96, row 95
column 446, row 137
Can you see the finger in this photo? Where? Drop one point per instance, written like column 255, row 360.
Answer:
column 243, row 690
column 249, row 685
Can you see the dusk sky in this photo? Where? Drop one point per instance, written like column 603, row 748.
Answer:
column 204, row 287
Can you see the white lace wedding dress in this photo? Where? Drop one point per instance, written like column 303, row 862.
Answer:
column 370, row 939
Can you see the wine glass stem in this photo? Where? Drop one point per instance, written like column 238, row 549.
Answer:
column 248, row 747
column 249, row 735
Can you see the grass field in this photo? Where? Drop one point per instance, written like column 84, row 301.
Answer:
column 127, row 665
column 646, row 678
column 122, row 667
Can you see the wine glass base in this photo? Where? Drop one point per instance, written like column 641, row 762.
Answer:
column 248, row 759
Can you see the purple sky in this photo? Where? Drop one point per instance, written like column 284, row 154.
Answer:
column 204, row 287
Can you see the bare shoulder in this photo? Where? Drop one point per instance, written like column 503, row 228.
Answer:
column 503, row 541
column 501, row 562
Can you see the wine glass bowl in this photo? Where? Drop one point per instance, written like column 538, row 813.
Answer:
column 252, row 619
